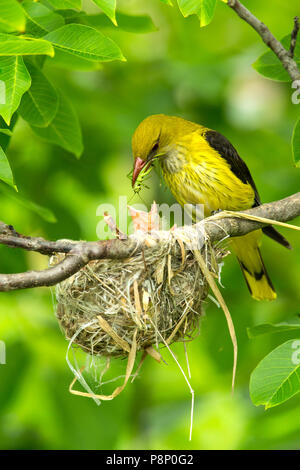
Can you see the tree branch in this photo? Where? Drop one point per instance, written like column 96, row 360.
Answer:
column 285, row 56
column 80, row 253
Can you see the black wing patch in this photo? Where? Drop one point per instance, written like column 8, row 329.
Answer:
column 222, row 145
column 240, row 169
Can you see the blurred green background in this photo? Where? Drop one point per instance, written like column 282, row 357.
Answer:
column 204, row 75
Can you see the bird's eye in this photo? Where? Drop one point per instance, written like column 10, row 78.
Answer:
column 155, row 147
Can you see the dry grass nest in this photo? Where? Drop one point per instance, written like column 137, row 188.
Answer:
column 155, row 296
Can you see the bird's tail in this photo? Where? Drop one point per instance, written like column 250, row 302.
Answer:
column 247, row 251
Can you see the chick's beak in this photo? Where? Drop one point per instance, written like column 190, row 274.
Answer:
column 138, row 166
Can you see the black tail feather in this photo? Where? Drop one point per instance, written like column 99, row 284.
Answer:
column 271, row 232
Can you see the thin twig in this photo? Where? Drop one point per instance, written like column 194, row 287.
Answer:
column 269, row 39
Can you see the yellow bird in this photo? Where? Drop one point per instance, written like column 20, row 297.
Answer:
column 201, row 166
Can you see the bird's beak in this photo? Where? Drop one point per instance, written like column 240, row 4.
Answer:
column 138, row 166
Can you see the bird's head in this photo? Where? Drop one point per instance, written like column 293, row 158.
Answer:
column 148, row 142
column 157, row 137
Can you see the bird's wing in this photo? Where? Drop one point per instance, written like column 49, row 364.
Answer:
column 227, row 151
column 222, row 145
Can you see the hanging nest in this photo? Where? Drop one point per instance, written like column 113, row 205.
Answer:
column 153, row 297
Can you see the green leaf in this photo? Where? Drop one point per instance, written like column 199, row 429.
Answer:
column 14, row 82
column 20, row 199
column 277, row 376
column 6, row 131
column 5, row 170
column 64, row 130
column 291, row 324
column 129, row 23
column 83, row 42
column 204, row 9
column 270, row 66
column 72, row 62
column 11, row 16
column 135, row 23
column 65, row 4
column 15, row 45
column 296, row 143
column 109, row 8
column 39, row 105
column 40, row 19
column 207, row 11
column 71, row 16
column 189, row 7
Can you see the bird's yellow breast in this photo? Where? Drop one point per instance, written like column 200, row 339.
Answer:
column 198, row 174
